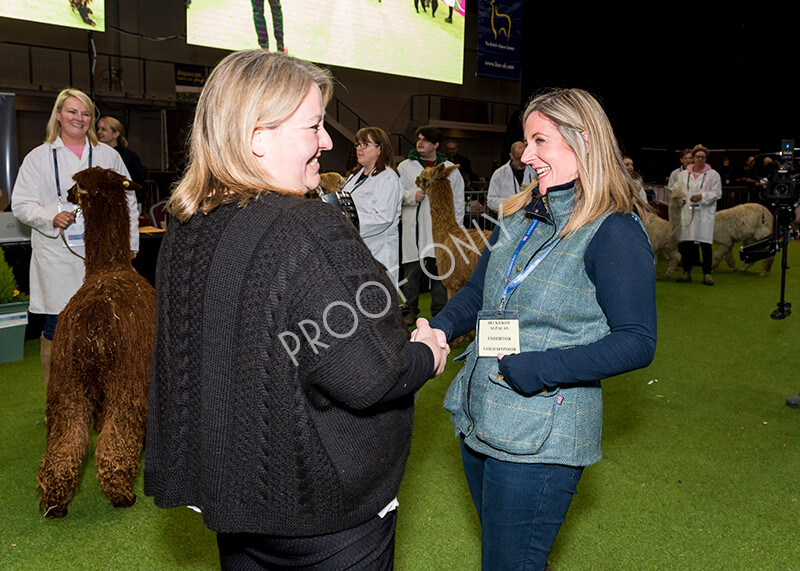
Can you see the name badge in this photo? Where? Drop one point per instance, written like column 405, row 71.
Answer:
column 497, row 332
column 74, row 232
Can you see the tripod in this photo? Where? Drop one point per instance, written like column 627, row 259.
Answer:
column 783, row 219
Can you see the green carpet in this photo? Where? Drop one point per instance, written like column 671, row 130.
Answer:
column 700, row 469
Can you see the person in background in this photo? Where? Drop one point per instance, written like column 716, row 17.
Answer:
column 509, row 179
column 39, row 199
column 375, row 187
column 260, row 22
column 573, row 272
column 417, row 246
column 111, row 132
column 291, row 446
column 637, row 178
column 464, row 164
column 686, row 160
column 753, row 180
column 703, row 188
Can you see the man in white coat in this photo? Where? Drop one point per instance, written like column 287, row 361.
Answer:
column 703, row 188
column 417, row 241
column 509, row 178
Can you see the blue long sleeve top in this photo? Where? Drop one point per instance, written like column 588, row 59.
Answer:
column 619, row 261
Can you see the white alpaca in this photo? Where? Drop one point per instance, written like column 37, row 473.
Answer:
column 665, row 234
column 745, row 223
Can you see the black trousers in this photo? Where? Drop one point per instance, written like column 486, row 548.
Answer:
column 261, row 23
column 368, row 546
column 413, row 274
column 689, row 255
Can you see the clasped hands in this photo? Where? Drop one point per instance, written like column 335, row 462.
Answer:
column 436, row 341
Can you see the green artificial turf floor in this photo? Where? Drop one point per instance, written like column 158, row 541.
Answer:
column 701, row 465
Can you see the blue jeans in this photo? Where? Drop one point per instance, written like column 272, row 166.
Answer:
column 50, row 322
column 521, row 508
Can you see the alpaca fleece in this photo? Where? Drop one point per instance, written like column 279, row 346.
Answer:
column 102, row 349
column 258, row 443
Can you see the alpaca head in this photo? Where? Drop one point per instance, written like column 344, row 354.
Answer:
column 328, row 182
column 430, row 175
column 677, row 198
column 98, row 182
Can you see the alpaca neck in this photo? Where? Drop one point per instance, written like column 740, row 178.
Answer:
column 107, row 236
column 675, row 213
column 443, row 214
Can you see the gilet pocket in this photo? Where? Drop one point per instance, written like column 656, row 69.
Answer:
column 514, row 423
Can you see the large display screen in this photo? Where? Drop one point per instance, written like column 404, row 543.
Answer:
column 87, row 14
column 400, row 37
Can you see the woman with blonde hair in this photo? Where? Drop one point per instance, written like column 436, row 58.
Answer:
column 378, row 195
column 39, row 199
column 564, row 297
column 111, row 132
column 281, row 399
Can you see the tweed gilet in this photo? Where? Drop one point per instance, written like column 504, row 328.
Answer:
column 557, row 309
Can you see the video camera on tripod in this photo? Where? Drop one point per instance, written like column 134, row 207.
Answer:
column 782, row 191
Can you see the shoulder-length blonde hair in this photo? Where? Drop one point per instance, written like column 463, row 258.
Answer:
column 114, row 124
column 386, row 156
column 604, row 184
column 247, row 90
column 54, row 127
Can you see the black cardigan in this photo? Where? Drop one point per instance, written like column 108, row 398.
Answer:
column 271, row 364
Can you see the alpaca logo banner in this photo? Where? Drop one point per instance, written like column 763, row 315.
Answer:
column 499, row 39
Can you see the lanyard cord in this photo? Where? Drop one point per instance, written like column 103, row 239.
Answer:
column 55, row 167
column 511, row 285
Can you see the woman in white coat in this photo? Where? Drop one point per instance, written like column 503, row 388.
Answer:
column 378, row 196
column 39, row 199
column 703, row 188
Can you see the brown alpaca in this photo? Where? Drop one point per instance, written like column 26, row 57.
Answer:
column 745, row 223
column 457, row 248
column 328, row 182
column 102, row 349
column 665, row 234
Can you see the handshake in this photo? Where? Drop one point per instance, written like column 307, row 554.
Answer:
column 435, row 340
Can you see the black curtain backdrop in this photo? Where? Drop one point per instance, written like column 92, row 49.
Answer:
column 670, row 79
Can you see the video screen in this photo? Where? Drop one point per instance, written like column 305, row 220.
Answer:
column 86, row 14
column 416, row 38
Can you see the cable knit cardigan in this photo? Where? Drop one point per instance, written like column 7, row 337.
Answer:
column 272, row 358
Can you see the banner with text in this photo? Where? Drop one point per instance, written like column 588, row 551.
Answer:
column 499, row 39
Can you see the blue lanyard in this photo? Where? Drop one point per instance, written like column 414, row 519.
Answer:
column 55, row 166
column 361, row 180
column 512, row 285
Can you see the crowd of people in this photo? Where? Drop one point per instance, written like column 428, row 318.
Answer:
column 284, row 372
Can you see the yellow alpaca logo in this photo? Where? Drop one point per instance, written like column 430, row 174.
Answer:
column 504, row 22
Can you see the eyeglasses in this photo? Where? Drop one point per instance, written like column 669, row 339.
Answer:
column 700, row 157
column 365, row 145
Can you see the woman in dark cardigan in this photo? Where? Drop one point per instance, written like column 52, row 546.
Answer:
column 282, row 389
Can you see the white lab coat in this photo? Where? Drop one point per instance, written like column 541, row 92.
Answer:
column 378, row 202
column 416, row 216
column 697, row 218
column 55, row 272
column 504, row 185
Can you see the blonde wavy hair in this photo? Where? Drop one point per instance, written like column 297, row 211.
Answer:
column 604, row 184
column 54, row 127
column 113, row 124
column 248, row 90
